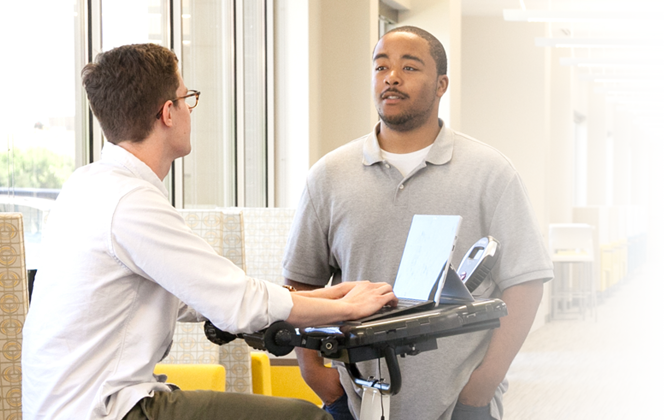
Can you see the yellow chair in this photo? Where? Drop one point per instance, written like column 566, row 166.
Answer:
column 287, row 382
column 624, row 247
column 606, row 267
column 617, row 273
column 261, row 379
column 194, row 377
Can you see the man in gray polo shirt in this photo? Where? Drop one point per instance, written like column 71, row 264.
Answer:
column 354, row 217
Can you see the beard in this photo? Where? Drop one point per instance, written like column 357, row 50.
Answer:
column 410, row 119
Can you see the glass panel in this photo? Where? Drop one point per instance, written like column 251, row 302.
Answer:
column 255, row 112
column 136, row 22
column 207, row 65
column 42, row 119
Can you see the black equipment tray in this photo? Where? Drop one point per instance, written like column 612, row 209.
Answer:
column 351, row 342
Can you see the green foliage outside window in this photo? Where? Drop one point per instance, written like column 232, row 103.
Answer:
column 35, row 167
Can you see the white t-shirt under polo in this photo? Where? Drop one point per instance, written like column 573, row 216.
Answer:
column 405, row 162
column 119, row 261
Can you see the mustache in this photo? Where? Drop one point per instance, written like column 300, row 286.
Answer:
column 389, row 91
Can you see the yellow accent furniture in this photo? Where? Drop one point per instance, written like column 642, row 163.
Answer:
column 13, row 307
column 261, row 379
column 287, row 382
column 607, row 272
column 210, row 377
column 282, row 380
column 616, row 263
column 624, row 247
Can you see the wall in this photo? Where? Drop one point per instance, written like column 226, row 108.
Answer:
column 640, row 166
column 442, row 18
column 505, row 102
column 622, row 158
column 656, row 232
column 342, row 36
column 597, row 134
column 561, row 148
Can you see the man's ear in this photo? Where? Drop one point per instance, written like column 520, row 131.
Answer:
column 443, row 83
column 166, row 117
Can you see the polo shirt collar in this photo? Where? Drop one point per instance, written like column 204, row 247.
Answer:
column 440, row 153
column 118, row 156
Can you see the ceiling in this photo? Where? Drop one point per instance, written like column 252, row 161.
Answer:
column 496, row 7
column 617, row 45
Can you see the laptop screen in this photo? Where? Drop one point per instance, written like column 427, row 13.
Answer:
column 428, row 247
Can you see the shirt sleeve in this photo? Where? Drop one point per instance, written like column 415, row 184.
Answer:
column 307, row 257
column 151, row 239
column 523, row 255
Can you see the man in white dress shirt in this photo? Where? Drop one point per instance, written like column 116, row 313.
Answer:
column 122, row 267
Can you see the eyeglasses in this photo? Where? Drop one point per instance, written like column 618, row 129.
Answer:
column 190, row 99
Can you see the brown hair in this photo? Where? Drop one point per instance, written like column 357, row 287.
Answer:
column 127, row 85
column 436, row 49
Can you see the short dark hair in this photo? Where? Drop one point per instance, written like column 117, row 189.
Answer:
column 127, row 85
column 435, row 47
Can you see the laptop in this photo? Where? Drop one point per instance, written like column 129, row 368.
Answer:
column 424, row 265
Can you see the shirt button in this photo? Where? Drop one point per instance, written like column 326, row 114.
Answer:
column 401, row 187
column 387, row 165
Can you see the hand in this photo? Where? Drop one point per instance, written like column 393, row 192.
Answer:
column 366, row 298
column 350, row 301
column 479, row 390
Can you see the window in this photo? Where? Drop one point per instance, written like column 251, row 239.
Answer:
column 208, row 65
column 44, row 113
column 47, row 129
column 224, row 55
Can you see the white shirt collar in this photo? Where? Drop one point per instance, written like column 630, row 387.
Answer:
column 119, row 156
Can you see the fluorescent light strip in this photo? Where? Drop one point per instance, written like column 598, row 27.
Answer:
column 650, row 118
column 622, row 78
column 553, row 16
column 627, row 90
column 594, row 43
column 641, row 111
column 610, row 62
column 640, row 100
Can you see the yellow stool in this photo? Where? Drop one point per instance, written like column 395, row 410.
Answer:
column 194, row 377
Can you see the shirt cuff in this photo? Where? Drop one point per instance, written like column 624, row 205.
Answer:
column 280, row 302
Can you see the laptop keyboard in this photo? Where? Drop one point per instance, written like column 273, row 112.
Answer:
column 407, row 303
column 403, row 303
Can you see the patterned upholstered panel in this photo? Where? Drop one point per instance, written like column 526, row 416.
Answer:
column 224, row 231
column 265, row 236
column 14, row 307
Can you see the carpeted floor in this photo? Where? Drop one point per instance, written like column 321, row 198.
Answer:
column 612, row 368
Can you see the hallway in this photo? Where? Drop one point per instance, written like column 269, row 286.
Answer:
column 609, row 369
